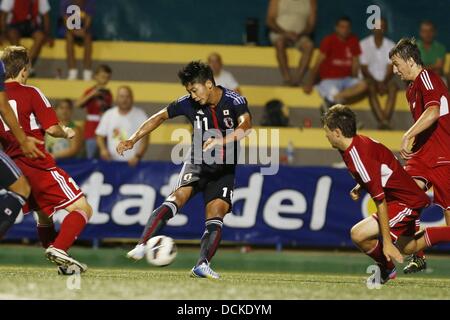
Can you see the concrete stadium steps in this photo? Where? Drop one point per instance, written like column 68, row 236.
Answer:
column 177, row 53
column 158, row 72
column 159, row 92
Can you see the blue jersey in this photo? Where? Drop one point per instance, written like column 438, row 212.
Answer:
column 209, row 121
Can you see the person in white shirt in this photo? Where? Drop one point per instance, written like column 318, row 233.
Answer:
column 222, row 77
column 117, row 124
column 377, row 70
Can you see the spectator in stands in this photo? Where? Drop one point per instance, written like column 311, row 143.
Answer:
column 338, row 66
column 81, row 37
column 291, row 23
column 65, row 148
column 29, row 19
column 96, row 100
column 273, row 114
column 117, row 124
column 222, row 77
column 431, row 51
column 378, row 72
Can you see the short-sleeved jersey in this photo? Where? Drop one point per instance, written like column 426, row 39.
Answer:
column 377, row 170
column 24, row 10
column 433, row 144
column 35, row 115
column 339, row 56
column 207, row 120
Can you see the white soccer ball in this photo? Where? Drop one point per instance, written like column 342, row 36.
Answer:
column 160, row 251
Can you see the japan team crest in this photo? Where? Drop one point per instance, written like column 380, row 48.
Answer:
column 229, row 123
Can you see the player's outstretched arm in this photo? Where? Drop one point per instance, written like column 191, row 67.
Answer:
column 242, row 130
column 389, row 249
column 426, row 120
column 146, row 128
column 58, row 131
column 355, row 193
column 27, row 144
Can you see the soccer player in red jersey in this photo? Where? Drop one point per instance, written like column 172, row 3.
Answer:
column 428, row 162
column 52, row 188
column 398, row 198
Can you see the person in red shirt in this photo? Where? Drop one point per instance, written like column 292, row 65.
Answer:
column 96, row 100
column 398, row 198
column 338, row 65
column 26, row 18
column 52, row 189
column 428, row 162
column 11, row 178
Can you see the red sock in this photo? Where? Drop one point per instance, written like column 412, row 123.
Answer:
column 377, row 254
column 419, row 254
column 436, row 235
column 71, row 227
column 47, row 234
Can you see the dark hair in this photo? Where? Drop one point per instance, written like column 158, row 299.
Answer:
column 68, row 101
column 196, row 72
column 341, row 117
column 407, row 48
column 344, row 18
column 428, row 22
column 273, row 114
column 103, row 68
column 15, row 58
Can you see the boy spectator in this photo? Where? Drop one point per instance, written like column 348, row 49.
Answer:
column 81, row 37
column 96, row 100
column 63, row 148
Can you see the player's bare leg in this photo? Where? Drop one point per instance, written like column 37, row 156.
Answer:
column 365, row 235
column 159, row 218
column 79, row 214
column 215, row 212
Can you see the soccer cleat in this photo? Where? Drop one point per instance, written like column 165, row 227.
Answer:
column 204, row 271
column 137, row 253
column 415, row 264
column 70, row 270
column 387, row 274
column 62, row 259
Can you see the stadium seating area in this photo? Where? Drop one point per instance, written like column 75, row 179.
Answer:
column 150, row 69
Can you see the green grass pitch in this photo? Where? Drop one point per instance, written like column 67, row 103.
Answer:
column 25, row 274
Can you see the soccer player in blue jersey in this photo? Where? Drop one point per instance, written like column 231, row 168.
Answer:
column 220, row 118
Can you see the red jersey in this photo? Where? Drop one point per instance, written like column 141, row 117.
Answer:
column 95, row 107
column 35, row 115
column 25, row 10
column 433, row 144
column 377, row 170
column 339, row 56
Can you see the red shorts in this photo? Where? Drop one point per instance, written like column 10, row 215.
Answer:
column 51, row 190
column 437, row 177
column 402, row 220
